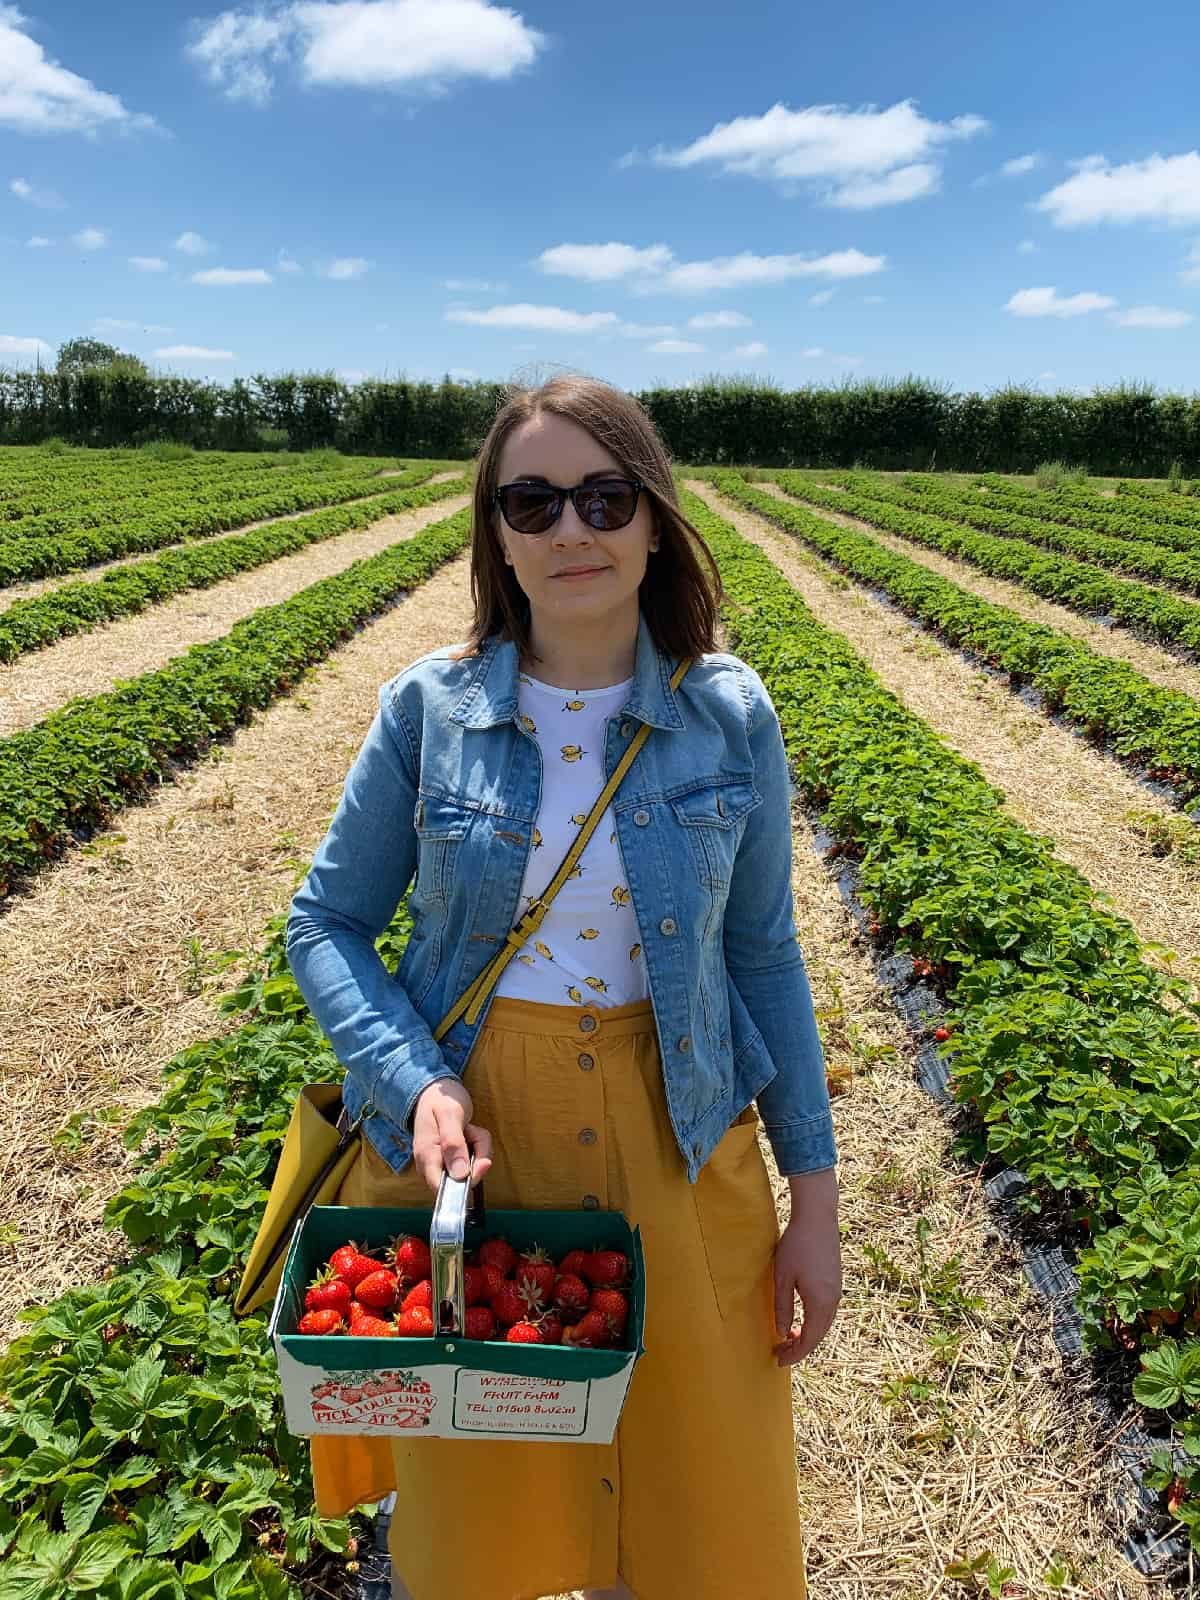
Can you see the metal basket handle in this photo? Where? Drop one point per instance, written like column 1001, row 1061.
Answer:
column 458, row 1207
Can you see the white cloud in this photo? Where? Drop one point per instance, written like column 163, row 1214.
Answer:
column 755, row 348
column 647, row 330
column 601, row 263
column 37, row 242
column 47, row 199
column 90, row 238
column 147, row 263
column 39, row 96
column 822, row 297
column 1150, row 317
column 1048, row 302
column 385, row 44
column 894, row 188
column 12, row 344
column 193, row 244
column 676, row 347
column 857, row 158
column 346, row 267
column 733, row 272
column 550, row 319
column 1191, row 266
column 718, row 319
column 232, row 275
column 192, row 352
column 813, row 353
column 287, row 263
column 473, row 286
column 1026, row 247
column 1158, row 189
column 1020, row 165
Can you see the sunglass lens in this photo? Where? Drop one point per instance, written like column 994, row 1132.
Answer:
column 610, row 505
column 529, row 508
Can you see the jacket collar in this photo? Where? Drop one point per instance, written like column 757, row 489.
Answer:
column 491, row 695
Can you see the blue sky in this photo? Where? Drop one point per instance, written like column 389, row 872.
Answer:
column 649, row 193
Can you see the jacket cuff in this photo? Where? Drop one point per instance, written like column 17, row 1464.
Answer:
column 404, row 1077
column 806, row 1145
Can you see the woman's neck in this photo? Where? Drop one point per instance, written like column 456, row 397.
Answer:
column 579, row 659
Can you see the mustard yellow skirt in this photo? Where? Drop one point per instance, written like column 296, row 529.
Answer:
column 696, row 1496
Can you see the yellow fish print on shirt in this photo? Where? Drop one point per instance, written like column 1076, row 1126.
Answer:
column 574, row 705
column 528, row 960
column 612, row 838
column 537, row 838
column 576, row 872
column 598, row 984
column 524, row 678
column 528, row 723
column 588, row 933
column 575, row 995
column 571, row 752
column 620, row 895
column 579, row 818
column 635, row 951
column 543, row 950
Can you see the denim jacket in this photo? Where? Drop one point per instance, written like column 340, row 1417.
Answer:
column 446, row 785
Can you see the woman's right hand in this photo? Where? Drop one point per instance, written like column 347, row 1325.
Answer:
column 443, row 1133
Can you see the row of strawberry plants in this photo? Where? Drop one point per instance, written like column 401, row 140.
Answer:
column 76, row 607
column 80, row 764
column 1109, row 700
column 1079, row 1062
column 1140, row 556
column 1163, row 506
column 181, row 519
column 1081, row 508
column 1074, row 584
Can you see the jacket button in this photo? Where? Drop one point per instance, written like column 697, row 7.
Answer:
column 685, row 1044
column 587, row 1135
column 641, row 818
column 626, row 729
column 667, row 925
column 586, row 1063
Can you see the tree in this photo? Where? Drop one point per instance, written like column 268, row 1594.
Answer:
column 78, row 355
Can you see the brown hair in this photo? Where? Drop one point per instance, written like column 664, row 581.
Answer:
column 682, row 587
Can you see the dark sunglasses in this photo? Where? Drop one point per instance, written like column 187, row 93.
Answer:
column 606, row 504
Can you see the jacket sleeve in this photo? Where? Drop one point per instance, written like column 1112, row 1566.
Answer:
column 361, row 869
column 764, row 961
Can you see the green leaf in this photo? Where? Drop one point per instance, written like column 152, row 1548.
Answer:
column 84, row 1497
column 98, row 1555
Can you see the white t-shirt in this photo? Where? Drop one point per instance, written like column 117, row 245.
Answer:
column 586, row 951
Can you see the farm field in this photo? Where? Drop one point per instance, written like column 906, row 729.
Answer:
column 990, row 696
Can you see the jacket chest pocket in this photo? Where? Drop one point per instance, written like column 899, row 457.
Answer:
column 440, row 826
column 713, row 818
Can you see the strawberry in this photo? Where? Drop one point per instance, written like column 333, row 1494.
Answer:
column 369, row 1327
column 377, row 1291
column 480, row 1323
column 328, row 1292
column 525, row 1333
column 514, row 1303
column 474, row 1286
column 613, row 1306
column 570, row 1293
column 416, row 1322
column 352, row 1264
column 420, row 1294
column 536, row 1269
column 498, row 1253
column 592, row 1331
column 327, row 1321
column 552, row 1329
column 941, row 1035
column 413, row 1261
column 572, row 1262
column 606, row 1269
column 493, row 1281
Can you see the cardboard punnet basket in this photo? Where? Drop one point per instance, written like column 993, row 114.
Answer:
column 446, row 1386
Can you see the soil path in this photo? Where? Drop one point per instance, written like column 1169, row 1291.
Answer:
column 1054, row 784
column 90, row 663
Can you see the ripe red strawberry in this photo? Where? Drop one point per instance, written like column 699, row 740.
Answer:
column 573, row 1262
column 369, row 1327
column 377, row 1290
column 525, row 1333
column 328, row 1292
column 480, row 1323
column 535, row 1268
column 552, row 1329
column 327, row 1321
column 421, row 1294
column 493, row 1281
column 941, row 1035
column 514, row 1303
column 613, row 1306
column 352, row 1264
column 412, row 1259
column 474, row 1286
column 592, row 1331
column 570, row 1293
column 606, row 1269
column 498, row 1253
column 416, row 1322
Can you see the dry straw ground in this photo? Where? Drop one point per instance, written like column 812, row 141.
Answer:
column 104, row 974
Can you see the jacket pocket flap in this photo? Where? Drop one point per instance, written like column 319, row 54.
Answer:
column 436, row 818
column 716, row 805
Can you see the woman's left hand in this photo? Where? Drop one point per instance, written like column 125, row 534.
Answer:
column 808, row 1263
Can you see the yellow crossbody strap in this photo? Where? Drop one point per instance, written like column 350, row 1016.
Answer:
column 471, row 1001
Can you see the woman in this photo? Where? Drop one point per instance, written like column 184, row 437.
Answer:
column 617, row 1062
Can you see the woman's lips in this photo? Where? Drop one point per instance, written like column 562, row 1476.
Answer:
column 592, row 572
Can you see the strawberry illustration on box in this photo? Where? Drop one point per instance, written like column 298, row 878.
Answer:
column 387, row 1398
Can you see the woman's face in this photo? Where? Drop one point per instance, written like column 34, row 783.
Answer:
column 559, row 451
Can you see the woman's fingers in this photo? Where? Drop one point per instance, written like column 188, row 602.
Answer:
column 451, row 1125
column 480, row 1141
